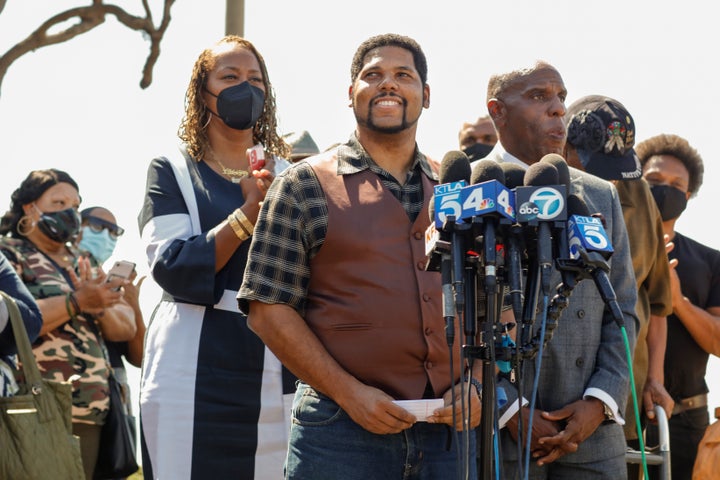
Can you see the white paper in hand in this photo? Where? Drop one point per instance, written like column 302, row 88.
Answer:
column 421, row 408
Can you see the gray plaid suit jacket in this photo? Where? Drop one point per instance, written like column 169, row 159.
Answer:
column 587, row 349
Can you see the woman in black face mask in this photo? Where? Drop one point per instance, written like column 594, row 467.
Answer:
column 211, row 399
column 73, row 297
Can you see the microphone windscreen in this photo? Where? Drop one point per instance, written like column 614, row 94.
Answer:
column 561, row 165
column 486, row 170
column 431, row 208
column 577, row 206
column 514, row 174
column 455, row 166
column 540, row 173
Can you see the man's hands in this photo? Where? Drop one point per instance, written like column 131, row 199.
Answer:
column 445, row 414
column 549, row 440
column 375, row 411
column 581, row 418
column 541, row 428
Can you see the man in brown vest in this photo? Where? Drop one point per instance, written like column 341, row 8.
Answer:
column 336, row 287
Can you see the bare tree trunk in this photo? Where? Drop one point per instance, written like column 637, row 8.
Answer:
column 235, row 17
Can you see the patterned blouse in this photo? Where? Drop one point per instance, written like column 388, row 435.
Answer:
column 74, row 350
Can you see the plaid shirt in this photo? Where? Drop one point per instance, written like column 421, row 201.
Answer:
column 293, row 222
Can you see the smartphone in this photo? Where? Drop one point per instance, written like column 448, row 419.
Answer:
column 256, row 157
column 122, row 269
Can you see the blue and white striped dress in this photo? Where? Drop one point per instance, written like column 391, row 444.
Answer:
column 211, row 393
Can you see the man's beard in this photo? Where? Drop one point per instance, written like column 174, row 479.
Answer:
column 370, row 124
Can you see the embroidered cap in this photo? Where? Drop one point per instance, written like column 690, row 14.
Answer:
column 603, row 133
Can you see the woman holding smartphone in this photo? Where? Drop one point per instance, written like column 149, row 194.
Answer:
column 37, row 237
column 211, row 397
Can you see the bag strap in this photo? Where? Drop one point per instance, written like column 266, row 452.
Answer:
column 22, row 341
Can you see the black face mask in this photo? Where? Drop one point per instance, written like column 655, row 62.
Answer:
column 60, row 226
column 477, row 151
column 239, row 106
column 670, row 201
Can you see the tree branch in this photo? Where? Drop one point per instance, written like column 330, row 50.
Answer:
column 90, row 17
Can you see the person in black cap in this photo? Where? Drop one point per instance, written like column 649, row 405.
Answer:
column 674, row 170
column 601, row 135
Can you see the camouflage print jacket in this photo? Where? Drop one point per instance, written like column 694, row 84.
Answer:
column 75, row 347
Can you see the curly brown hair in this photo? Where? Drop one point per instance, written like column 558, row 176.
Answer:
column 678, row 147
column 193, row 128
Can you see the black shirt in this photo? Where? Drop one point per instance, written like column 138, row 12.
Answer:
column 685, row 361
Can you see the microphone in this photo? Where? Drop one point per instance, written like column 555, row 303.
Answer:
column 561, row 165
column 563, row 179
column 541, row 201
column 487, row 193
column 514, row 176
column 585, row 232
column 483, row 200
column 590, row 247
column 487, row 203
column 454, row 174
column 486, row 170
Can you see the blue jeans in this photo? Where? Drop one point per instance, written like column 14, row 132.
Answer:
column 326, row 444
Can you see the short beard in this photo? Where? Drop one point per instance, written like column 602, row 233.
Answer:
column 370, row 124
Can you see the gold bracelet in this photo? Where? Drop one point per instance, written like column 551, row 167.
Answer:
column 237, row 228
column 69, row 306
column 244, row 221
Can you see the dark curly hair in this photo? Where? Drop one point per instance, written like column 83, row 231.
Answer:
column 193, row 128
column 389, row 40
column 678, row 147
column 35, row 184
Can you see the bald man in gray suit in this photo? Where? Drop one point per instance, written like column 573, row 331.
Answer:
column 584, row 377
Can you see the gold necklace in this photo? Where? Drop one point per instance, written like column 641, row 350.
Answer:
column 234, row 174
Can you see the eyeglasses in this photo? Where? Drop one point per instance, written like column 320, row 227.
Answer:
column 98, row 224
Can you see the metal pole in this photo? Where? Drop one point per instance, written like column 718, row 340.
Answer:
column 235, row 17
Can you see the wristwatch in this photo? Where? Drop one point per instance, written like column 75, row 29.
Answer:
column 607, row 411
column 478, row 386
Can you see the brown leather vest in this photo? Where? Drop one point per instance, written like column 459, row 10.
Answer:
column 370, row 301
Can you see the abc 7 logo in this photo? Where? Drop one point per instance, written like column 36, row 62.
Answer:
column 549, row 203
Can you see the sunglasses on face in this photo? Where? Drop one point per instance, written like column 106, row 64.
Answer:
column 98, row 224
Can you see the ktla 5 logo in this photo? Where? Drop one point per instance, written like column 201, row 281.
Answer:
column 589, row 234
column 447, row 202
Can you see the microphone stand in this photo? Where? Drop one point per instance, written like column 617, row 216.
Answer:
column 470, row 332
column 486, row 350
column 491, row 319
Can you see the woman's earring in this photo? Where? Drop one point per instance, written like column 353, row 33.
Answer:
column 25, row 226
column 209, row 117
